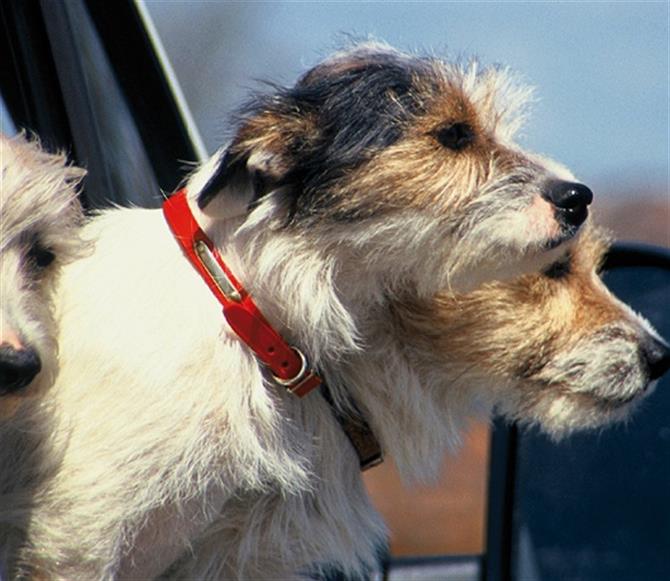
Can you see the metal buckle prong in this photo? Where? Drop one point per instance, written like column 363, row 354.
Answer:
column 293, row 382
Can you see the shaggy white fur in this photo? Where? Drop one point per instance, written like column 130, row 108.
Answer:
column 40, row 218
column 39, row 221
column 173, row 453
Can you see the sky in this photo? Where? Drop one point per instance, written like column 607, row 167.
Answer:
column 600, row 69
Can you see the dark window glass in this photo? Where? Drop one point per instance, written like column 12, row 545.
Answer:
column 7, row 126
column 106, row 138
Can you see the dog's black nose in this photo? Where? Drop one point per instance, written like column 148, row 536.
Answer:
column 571, row 200
column 657, row 356
column 18, row 367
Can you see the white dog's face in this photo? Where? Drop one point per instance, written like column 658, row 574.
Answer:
column 554, row 348
column 403, row 166
column 39, row 223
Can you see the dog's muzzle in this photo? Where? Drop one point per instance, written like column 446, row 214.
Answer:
column 570, row 200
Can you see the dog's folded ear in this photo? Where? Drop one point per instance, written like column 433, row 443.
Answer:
column 306, row 140
column 258, row 161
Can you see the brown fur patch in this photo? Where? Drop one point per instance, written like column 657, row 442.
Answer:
column 511, row 329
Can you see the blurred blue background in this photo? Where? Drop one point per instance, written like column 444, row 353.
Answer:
column 601, row 69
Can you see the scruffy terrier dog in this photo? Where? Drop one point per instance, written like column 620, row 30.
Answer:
column 342, row 205
column 40, row 219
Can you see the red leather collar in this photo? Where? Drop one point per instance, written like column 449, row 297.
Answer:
column 288, row 365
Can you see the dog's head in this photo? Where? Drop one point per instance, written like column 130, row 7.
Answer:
column 407, row 163
column 553, row 348
column 39, row 224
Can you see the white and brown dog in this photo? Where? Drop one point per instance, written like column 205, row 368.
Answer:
column 342, row 205
column 40, row 219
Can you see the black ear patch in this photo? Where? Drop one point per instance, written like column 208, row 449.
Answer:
column 229, row 173
column 249, row 174
column 308, row 139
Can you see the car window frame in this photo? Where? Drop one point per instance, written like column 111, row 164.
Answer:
column 31, row 38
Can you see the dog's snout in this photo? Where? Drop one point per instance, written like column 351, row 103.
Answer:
column 570, row 199
column 18, row 367
column 657, row 357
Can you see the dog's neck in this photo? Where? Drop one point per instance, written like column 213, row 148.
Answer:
column 289, row 367
column 302, row 289
column 317, row 302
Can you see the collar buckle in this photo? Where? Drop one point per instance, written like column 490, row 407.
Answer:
column 302, row 382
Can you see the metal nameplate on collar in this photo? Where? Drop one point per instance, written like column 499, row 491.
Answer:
column 219, row 277
column 288, row 365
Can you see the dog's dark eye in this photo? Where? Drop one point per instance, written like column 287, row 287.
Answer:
column 39, row 256
column 559, row 269
column 456, row 136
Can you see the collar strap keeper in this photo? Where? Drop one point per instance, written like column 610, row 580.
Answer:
column 288, row 365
